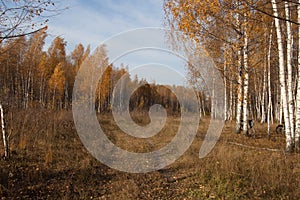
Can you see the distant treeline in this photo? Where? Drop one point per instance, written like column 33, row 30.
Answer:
column 33, row 78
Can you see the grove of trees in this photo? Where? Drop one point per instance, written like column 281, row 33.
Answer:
column 256, row 47
column 33, row 78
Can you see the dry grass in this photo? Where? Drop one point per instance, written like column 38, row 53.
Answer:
column 49, row 161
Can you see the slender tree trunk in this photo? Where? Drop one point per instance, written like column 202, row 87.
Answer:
column 225, row 92
column 257, row 99
column 66, row 95
column 280, row 106
column 239, row 94
column 246, row 80
column 199, row 102
column 203, row 104
column 213, row 112
column 4, row 135
column 282, row 79
column 297, row 131
column 231, row 115
column 240, row 83
column 264, row 89
column 289, row 70
column 269, row 115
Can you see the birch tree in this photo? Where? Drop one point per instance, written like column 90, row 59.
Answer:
column 4, row 134
column 269, row 112
column 239, row 80
column 246, row 77
column 211, row 24
column 289, row 67
column 42, row 73
column 283, row 90
column 297, row 131
column 56, row 85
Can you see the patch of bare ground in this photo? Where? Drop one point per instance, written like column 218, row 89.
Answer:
column 49, row 162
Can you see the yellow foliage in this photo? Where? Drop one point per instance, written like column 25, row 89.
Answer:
column 57, row 81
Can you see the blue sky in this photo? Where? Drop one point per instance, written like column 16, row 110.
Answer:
column 92, row 21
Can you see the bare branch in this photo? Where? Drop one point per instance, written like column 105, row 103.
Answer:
column 269, row 14
column 24, row 34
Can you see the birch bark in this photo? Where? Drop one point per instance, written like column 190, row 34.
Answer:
column 297, row 131
column 246, row 79
column 240, row 85
column 269, row 114
column 263, row 109
column 282, row 79
column 4, row 135
column 289, row 68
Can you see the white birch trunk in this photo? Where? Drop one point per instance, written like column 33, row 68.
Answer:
column 257, row 100
column 4, row 135
column 246, row 79
column 269, row 115
column 297, row 131
column 240, row 85
column 263, row 109
column 289, row 143
column 280, row 108
column 239, row 94
column 230, row 102
column 289, row 69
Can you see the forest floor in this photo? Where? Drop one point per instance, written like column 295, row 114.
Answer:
column 49, row 162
